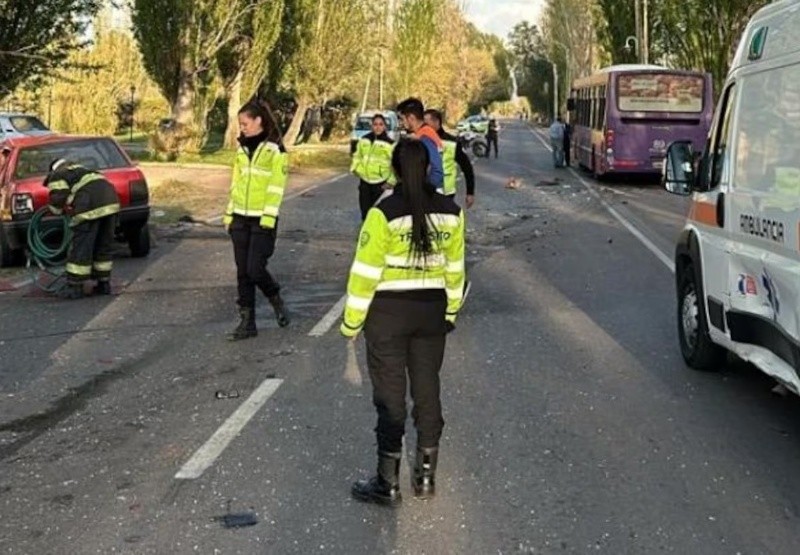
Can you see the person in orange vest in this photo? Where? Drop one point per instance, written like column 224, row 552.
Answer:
column 412, row 117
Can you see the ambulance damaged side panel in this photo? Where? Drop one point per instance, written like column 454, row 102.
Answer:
column 764, row 214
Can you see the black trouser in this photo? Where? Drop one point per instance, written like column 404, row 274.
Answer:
column 252, row 247
column 491, row 140
column 91, row 250
column 405, row 334
column 368, row 195
column 566, row 151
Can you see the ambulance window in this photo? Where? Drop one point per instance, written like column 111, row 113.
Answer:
column 768, row 132
column 719, row 163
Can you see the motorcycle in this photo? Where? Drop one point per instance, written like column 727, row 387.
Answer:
column 476, row 142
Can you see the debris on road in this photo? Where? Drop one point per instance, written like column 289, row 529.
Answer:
column 514, row 183
column 237, row 520
column 222, row 394
column 549, row 182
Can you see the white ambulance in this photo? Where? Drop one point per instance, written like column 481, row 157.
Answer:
column 737, row 262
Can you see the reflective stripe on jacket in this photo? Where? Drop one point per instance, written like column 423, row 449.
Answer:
column 384, row 260
column 372, row 161
column 88, row 193
column 258, row 184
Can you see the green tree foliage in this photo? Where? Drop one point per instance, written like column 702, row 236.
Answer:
column 616, row 21
column 416, row 42
column 534, row 72
column 325, row 44
column 445, row 60
column 244, row 62
column 37, row 37
column 92, row 95
column 701, row 34
column 180, row 41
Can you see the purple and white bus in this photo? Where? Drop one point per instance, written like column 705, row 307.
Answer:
column 624, row 117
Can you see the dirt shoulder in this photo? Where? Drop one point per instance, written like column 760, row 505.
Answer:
column 201, row 192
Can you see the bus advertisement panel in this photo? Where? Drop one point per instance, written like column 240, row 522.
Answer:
column 624, row 117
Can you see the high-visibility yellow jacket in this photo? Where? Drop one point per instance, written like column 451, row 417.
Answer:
column 372, row 161
column 87, row 193
column 453, row 158
column 384, row 261
column 258, row 184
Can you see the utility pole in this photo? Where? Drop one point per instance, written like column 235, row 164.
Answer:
column 366, row 87
column 645, row 34
column 555, row 91
column 638, row 24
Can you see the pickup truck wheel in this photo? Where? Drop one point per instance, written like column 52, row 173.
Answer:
column 8, row 257
column 697, row 348
column 138, row 240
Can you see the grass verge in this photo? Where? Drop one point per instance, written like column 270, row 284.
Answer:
column 172, row 199
column 300, row 159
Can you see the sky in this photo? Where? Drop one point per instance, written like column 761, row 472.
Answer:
column 500, row 16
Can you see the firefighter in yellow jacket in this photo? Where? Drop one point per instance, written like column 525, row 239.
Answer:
column 92, row 203
column 372, row 164
column 251, row 218
column 405, row 290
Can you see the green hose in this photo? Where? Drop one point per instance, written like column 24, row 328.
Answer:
column 47, row 259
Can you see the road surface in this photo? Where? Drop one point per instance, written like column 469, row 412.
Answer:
column 573, row 425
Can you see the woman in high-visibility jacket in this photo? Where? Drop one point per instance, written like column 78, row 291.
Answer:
column 372, row 164
column 259, row 178
column 405, row 290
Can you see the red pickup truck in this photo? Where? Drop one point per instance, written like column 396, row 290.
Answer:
column 23, row 168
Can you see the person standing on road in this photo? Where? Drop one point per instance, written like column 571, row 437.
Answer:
column 557, row 132
column 567, row 145
column 412, row 118
column 251, row 217
column 453, row 155
column 405, row 291
column 93, row 204
column 493, row 138
column 372, row 163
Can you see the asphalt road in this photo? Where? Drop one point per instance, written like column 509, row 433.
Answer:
column 573, row 425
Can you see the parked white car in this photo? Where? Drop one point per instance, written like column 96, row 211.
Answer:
column 16, row 125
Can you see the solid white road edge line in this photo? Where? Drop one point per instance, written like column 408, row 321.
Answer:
column 668, row 262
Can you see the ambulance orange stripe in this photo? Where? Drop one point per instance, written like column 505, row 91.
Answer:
column 704, row 213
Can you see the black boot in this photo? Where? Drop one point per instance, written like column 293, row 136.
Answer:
column 384, row 487
column 72, row 291
column 246, row 327
column 103, row 287
column 424, row 479
column 280, row 310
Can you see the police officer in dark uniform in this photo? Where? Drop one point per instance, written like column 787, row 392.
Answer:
column 92, row 203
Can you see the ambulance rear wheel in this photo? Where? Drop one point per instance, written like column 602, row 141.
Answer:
column 697, row 348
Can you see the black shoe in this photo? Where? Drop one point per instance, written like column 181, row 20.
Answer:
column 424, row 478
column 383, row 488
column 102, row 288
column 247, row 325
column 280, row 310
column 71, row 292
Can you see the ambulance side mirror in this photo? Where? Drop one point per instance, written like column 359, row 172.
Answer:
column 678, row 176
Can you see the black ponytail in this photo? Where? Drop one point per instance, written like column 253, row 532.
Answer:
column 410, row 162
